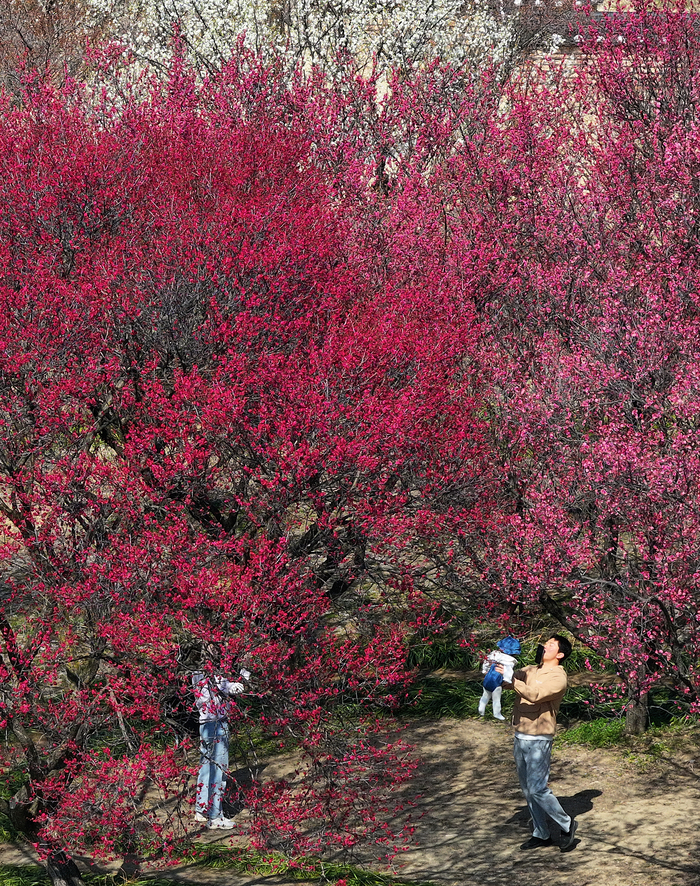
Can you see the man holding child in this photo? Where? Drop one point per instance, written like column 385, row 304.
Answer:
column 539, row 690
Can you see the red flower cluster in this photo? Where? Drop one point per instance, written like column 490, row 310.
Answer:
column 295, row 374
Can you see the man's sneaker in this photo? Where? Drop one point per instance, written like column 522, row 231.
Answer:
column 567, row 842
column 536, row 843
column 221, row 823
column 199, row 816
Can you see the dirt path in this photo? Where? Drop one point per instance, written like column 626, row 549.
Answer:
column 637, row 826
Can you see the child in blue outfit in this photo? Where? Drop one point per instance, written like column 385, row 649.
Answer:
column 505, row 654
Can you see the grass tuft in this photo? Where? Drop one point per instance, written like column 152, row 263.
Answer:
column 21, row 875
column 442, row 652
column 239, row 860
column 250, row 861
column 434, row 698
column 596, row 734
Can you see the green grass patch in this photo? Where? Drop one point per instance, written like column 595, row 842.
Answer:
column 441, row 652
column 109, row 880
column 602, row 733
column 434, row 698
column 19, row 875
column 250, row 861
column 7, row 832
column 675, row 735
column 32, row 875
column 584, row 659
column 11, row 780
column 244, row 861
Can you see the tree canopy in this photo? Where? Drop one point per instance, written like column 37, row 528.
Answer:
column 308, row 373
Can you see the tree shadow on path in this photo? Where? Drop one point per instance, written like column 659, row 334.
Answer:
column 471, row 818
column 575, row 806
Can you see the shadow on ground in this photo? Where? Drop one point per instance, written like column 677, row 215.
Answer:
column 637, row 825
column 471, row 817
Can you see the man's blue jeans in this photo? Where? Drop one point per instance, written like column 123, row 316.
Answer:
column 532, row 759
column 213, row 763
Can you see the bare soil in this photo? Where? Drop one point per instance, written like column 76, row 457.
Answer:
column 637, row 815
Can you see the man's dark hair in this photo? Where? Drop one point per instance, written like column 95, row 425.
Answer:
column 564, row 645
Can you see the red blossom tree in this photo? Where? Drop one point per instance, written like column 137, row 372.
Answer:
column 294, row 371
column 573, row 214
column 227, row 417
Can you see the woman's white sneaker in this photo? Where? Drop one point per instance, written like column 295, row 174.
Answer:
column 222, row 823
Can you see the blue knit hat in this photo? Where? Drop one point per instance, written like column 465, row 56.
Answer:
column 509, row 645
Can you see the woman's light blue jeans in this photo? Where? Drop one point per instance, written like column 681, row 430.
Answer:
column 532, row 759
column 213, row 764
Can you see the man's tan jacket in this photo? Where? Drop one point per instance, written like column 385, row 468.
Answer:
column 537, row 699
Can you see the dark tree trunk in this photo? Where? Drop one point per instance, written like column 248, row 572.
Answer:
column 637, row 716
column 62, row 870
column 60, row 867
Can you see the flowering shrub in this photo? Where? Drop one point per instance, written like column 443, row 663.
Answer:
column 573, row 220
column 298, row 373
column 226, row 422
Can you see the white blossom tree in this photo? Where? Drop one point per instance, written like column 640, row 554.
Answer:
column 356, row 36
column 392, row 33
